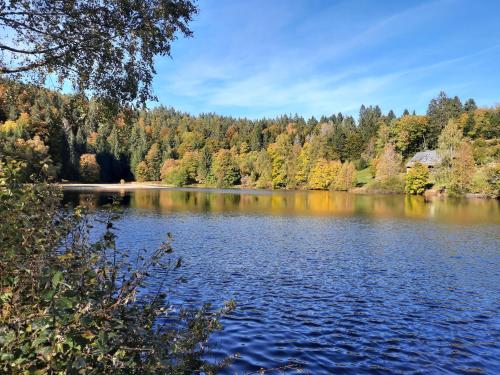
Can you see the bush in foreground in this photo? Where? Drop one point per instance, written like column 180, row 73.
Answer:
column 69, row 305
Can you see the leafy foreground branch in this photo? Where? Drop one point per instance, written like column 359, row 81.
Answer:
column 70, row 305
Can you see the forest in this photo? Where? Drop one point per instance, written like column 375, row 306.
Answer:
column 74, row 138
column 101, row 291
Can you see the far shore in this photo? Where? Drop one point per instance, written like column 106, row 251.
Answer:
column 114, row 186
column 158, row 185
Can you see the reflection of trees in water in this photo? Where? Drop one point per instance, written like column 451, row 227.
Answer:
column 316, row 202
column 468, row 210
column 92, row 200
column 313, row 203
column 415, row 206
column 145, row 199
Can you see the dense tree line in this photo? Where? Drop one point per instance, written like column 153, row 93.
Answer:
column 80, row 139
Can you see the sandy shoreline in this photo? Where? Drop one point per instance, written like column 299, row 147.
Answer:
column 114, row 186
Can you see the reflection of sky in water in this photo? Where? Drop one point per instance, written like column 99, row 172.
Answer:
column 336, row 283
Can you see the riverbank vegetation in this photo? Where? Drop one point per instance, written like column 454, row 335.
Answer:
column 71, row 305
column 75, row 138
column 71, row 300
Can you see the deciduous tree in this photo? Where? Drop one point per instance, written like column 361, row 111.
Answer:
column 89, row 168
column 388, row 164
column 346, row 178
column 225, row 169
column 104, row 46
column 462, row 170
column 324, row 174
column 417, row 179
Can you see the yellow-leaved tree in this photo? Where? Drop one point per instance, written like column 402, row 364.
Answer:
column 305, row 162
column 141, row 172
column 225, row 169
column 388, row 164
column 449, row 142
column 324, row 174
column 417, row 179
column 462, row 170
column 346, row 178
column 280, row 152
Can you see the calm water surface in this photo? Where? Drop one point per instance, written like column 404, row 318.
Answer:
column 333, row 282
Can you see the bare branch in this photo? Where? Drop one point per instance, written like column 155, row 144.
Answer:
column 31, row 52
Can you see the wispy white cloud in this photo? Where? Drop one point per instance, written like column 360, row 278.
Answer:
column 317, row 73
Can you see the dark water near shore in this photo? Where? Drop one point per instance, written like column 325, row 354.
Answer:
column 333, row 282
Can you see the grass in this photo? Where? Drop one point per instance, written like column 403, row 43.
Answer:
column 391, row 185
column 364, row 177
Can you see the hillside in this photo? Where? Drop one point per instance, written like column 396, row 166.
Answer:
column 73, row 138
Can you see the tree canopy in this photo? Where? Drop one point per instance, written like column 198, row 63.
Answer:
column 52, row 132
column 105, row 46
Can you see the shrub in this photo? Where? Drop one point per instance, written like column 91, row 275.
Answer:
column 69, row 305
column 89, row 168
column 391, row 185
column 479, row 182
column 417, row 179
column 178, row 176
column 178, row 173
column 487, row 180
column 493, row 178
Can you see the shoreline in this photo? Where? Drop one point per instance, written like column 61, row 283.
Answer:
column 153, row 185
column 157, row 185
column 113, row 186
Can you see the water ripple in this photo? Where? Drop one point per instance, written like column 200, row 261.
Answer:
column 339, row 295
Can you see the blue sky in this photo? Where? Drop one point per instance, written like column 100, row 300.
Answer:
column 264, row 58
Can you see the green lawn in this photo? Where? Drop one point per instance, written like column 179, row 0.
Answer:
column 364, row 176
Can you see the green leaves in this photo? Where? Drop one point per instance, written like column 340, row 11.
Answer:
column 5, row 296
column 68, row 305
column 56, row 279
column 417, row 179
column 106, row 47
column 7, row 338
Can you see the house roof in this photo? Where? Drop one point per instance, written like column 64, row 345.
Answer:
column 429, row 158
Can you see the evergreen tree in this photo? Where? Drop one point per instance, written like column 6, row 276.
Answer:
column 439, row 112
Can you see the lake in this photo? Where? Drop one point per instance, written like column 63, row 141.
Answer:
column 332, row 282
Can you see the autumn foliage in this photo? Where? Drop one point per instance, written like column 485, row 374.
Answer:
column 286, row 152
column 417, row 179
column 89, row 168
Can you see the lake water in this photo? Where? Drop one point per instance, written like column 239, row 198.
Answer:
column 333, row 282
